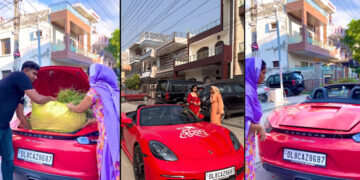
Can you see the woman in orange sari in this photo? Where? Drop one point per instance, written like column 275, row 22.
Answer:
column 217, row 105
column 194, row 101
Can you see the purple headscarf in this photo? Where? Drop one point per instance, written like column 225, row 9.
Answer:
column 253, row 110
column 104, row 81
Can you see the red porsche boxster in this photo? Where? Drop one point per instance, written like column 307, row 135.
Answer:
column 170, row 142
column 52, row 155
column 317, row 139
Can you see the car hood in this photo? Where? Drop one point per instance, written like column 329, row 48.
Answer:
column 327, row 116
column 192, row 141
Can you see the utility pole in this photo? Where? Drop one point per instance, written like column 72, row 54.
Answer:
column 39, row 46
column 16, row 35
column 253, row 12
column 279, row 50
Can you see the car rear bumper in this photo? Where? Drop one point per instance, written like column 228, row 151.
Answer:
column 31, row 174
column 295, row 175
column 342, row 154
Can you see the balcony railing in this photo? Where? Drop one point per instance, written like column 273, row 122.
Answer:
column 242, row 47
column 201, row 55
column 60, row 46
column 320, row 44
column 67, row 6
column 294, row 39
column 83, row 52
column 205, row 28
column 146, row 55
column 153, row 37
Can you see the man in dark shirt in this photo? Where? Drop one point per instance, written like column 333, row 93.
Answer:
column 12, row 90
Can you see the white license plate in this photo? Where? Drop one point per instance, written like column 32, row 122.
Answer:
column 305, row 157
column 35, row 157
column 220, row 174
column 159, row 95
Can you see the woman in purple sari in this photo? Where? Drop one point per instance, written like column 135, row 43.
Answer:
column 104, row 100
column 255, row 70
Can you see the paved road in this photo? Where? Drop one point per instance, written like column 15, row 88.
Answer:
column 261, row 173
column 234, row 124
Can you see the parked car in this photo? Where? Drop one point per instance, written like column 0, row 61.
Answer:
column 52, row 155
column 263, row 92
column 233, row 95
column 316, row 139
column 173, row 91
column 170, row 142
column 293, row 82
column 133, row 95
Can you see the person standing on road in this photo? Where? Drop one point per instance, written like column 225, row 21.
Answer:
column 194, row 101
column 255, row 70
column 217, row 105
column 104, row 100
column 12, row 91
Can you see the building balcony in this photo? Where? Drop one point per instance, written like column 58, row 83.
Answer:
column 315, row 15
column 212, row 56
column 205, row 31
column 312, row 48
column 148, row 55
column 175, row 42
column 73, row 55
column 241, row 4
column 65, row 6
column 134, row 59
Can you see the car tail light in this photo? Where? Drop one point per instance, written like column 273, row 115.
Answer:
column 86, row 140
column 266, row 89
column 293, row 82
column 167, row 96
column 356, row 137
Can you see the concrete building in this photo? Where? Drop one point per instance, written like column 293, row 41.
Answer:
column 304, row 39
column 173, row 49
column 64, row 35
column 210, row 50
column 239, row 40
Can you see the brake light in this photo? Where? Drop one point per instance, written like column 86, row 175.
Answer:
column 293, row 82
column 167, row 96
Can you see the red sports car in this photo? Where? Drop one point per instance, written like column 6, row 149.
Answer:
column 133, row 95
column 50, row 155
column 317, row 139
column 170, row 142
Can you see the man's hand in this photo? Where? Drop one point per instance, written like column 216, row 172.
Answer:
column 53, row 98
column 25, row 124
column 71, row 106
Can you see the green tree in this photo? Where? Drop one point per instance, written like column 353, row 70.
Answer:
column 114, row 45
column 133, row 82
column 352, row 38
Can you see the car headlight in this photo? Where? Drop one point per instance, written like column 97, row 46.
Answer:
column 268, row 127
column 356, row 137
column 162, row 152
column 234, row 141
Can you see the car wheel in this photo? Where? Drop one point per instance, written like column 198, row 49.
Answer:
column 123, row 99
column 287, row 92
column 263, row 98
column 180, row 103
column 145, row 98
column 138, row 164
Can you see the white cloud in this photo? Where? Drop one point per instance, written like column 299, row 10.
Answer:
column 341, row 18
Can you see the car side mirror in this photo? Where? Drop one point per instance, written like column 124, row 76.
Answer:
column 125, row 121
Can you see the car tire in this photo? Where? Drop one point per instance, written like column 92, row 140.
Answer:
column 145, row 98
column 263, row 98
column 138, row 164
column 180, row 103
column 123, row 99
column 287, row 92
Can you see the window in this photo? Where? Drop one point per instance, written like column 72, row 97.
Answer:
column 5, row 46
column 238, row 89
column 177, row 87
column 273, row 26
column 225, row 89
column 5, row 73
column 311, row 64
column 304, row 64
column 36, row 34
column 270, row 80
column 203, row 53
column 276, row 64
column 219, row 47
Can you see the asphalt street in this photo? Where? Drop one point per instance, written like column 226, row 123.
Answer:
column 235, row 124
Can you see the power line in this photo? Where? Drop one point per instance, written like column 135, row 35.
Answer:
column 136, row 14
column 126, row 17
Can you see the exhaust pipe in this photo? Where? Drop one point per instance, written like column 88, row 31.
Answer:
column 31, row 178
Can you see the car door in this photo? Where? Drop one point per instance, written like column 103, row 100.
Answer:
column 239, row 93
column 270, row 81
column 130, row 133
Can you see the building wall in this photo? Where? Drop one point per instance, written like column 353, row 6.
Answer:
column 239, row 38
column 208, row 42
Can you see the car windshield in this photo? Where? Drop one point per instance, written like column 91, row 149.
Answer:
column 161, row 86
column 349, row 94
column 166, row 115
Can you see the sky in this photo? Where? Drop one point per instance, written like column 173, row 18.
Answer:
column 138, row 16
column 346, row 10
column 108, row 10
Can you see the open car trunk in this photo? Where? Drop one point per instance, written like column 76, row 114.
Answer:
column 52, row 79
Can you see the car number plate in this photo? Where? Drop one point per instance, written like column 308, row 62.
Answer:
column 159, row 95
column 220, row 174
column 305, row 157
column 35, row 157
